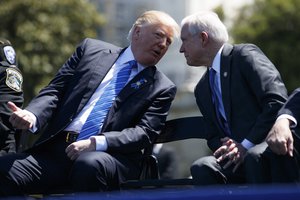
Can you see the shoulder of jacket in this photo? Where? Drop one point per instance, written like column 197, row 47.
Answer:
column 99, row 44
column 161, row 76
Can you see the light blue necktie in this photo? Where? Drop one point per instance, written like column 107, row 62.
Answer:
column 96, row 118
column 217, row 101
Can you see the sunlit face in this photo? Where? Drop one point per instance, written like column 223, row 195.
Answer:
column 150, row 43
column 192, row 47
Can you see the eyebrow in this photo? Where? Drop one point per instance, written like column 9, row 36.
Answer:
column 163, row 34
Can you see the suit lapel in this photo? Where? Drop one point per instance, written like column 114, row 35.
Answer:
column 99, row 69
column 206, row 100
column 140, row 81
column 225, row 79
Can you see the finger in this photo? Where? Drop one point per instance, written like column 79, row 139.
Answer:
column 290, row 146
column 68, row 149
column 221, row 158
column 13, row 106
column 232, row 147
column 20, row 122
column 232, row 154
column 74, row 156
column 220, row 151
column 276, row 150
column 225, row 139
column 229, row 142
column 282, row 148
column 237, row 158
column 279, row 147
column 224, row 156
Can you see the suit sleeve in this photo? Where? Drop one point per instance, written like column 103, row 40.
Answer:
column 266, row 85
column 45, row 104
column 147, row 127
column 292, row 106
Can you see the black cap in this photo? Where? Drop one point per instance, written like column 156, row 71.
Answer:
column 7, row 54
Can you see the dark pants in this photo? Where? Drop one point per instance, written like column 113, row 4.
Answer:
column 7, row 141
column 279, row 168
column 273, row 168
column 207, row 171
column 48, row 167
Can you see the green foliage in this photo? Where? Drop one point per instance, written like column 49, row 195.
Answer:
column 273, row 25
column 45, row 33
column 220, row 12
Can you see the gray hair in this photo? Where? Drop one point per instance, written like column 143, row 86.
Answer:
column 208, row 22
column 155, row 17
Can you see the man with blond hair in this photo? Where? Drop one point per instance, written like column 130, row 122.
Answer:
column 103, row 107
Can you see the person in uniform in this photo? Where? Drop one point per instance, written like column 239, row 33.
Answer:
column 11, row 80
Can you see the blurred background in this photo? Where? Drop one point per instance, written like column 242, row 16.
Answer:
column 45, row 33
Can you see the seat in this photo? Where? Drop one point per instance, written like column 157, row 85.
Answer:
column 174, row 130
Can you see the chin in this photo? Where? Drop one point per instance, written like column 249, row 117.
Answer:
column 189, row 63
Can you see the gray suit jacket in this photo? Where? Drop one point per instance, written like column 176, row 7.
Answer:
column 135, row 118
column 252, row 93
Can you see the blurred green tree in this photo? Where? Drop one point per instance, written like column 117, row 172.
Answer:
column 273, row 25
column 45, row 33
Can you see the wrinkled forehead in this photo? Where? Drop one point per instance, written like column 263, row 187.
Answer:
column 185, row 32
column 162, row 28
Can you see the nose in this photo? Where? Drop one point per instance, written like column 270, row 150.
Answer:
column 163, row 43
column 181, row 50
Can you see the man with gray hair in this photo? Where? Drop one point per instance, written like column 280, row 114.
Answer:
column 238, row 95
column 103, row 107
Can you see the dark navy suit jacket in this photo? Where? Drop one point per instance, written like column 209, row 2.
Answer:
column 252, row 93
column 135, row 118
column 292, row 107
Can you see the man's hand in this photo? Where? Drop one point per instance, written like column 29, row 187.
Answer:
column 280, row 138
column 20, row 119
column 79, row 147
column 231, row 150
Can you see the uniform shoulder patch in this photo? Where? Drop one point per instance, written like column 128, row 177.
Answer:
column 10, row 54
column 14, row 79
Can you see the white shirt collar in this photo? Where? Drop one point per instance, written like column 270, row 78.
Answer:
column 216, row 65
column 127, row 56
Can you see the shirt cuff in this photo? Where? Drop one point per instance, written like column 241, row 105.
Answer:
column 34, row 127
column 247, row 144
column 289, row 117
column 101, row 143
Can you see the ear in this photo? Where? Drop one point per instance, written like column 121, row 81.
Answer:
column 136, row 32
column 204, row 38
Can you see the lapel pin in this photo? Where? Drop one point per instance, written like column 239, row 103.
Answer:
column 139, row 83
column 225, row 74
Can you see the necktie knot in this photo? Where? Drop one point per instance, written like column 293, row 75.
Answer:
column 132, row 63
